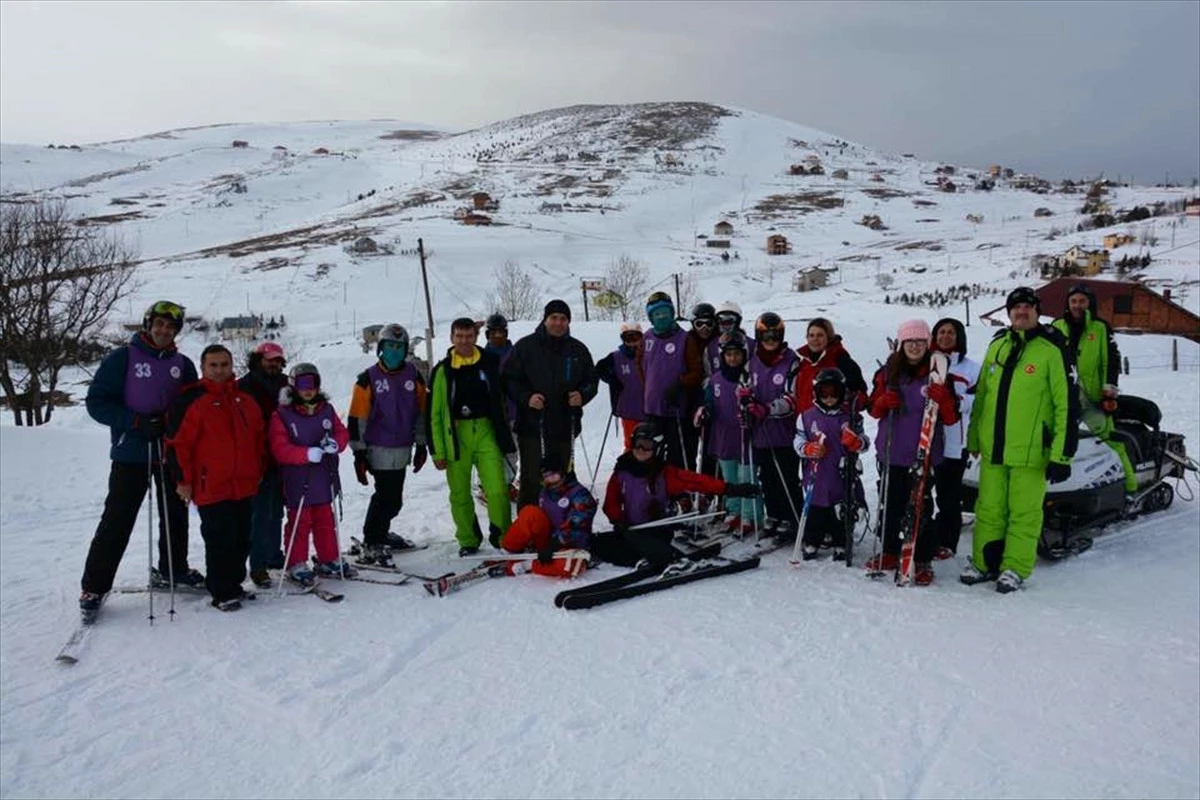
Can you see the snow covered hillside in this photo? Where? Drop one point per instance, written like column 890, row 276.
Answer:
column 773, row 683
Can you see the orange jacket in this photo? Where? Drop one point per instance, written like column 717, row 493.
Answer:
column 220, row 446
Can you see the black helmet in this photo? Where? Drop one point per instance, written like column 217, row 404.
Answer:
column 734, row 342
column 303, row 368
column 165, row 309
column 704, row 311
column 649, row 431
column 829, row 377
column 1086, row 291
column 769, row 326
column 496, row 322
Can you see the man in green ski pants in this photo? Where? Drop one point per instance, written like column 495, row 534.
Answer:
column 467, row 428
column 1023, row 426
column 1098, row 361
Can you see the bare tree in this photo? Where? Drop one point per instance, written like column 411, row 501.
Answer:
column 59, row 280
column 515, row 296
column 624, row 287
column 689, row 295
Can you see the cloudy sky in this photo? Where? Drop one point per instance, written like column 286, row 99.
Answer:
column 1060, row 89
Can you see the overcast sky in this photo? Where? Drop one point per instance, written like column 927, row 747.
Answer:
column 1059, row 89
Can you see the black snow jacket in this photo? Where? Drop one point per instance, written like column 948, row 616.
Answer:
column 553, row 367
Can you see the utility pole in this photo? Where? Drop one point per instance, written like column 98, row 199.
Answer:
column 678, row 310
column 428, row 304
column 583, row 290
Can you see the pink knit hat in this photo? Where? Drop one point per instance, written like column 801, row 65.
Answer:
column 269, row 350
column 913, row 329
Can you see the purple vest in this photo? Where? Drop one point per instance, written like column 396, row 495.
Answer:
column 827, row 486
column 393, row 416
column 663, row 365
column 316, row 483
column 725, row 428
column 642, row 501
column 908, row 428
column 712, row 355
column 632, row 396
column 770, row 383
column 151, row 384
column 556, row 505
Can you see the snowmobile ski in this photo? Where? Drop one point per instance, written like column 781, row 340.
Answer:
column 677, row 574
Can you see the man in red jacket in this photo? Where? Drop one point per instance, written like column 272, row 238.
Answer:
column 218, row 452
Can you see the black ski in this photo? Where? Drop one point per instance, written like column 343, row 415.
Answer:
column 693, row 571
column 639, row 573
column 849, row 486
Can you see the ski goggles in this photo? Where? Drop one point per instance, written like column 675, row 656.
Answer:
column 629, row 337
column 769, row 335
column 704, row 322
column 644, row 445
column 306, row 383
column 728, row 320
column 165, row 308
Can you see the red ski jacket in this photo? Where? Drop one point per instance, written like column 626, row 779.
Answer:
column 220, row 447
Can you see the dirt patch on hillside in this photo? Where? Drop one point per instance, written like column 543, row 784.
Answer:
column 304, row 238
column 103, row 176
column 922, row 245
column 779, row 204
column 413, row 136
column 883, row 192
column 109, row 219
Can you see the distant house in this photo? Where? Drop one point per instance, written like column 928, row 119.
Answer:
column 876, row 177
column 240, row 144
column 1127, row 306
column 723, row 228
column 1192, row 209
column 279, row 147
column 872, row 221
column 840, row 174
column 778, row 245
column 370, row 335
column 364, row 244
column 994, row 170
column 797, row 169
column 1043, row 212
column 321, row 151
column 240, row 327
column 474, row 218
column 480, row 200
column 808, row 279
column 976, row 218
column 1089, row 262
column 1114, row 240
column 720, row 243
column 551, row 208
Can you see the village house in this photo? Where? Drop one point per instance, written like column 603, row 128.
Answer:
column 806, row 280
column 1192, row 209
column 723, row 228
column 474, row 218
column 247, row 327
column 480, row 200
column 1114, row 240
column 721, row 243
column 778, row 245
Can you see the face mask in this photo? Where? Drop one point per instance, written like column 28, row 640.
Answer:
column 392, row 357
column 662, row 320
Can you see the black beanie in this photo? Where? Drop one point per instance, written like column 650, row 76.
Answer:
column 1022, row 294
column 552, row 462
column 557, row 307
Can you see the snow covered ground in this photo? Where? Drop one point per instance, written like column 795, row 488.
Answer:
column 773, row 683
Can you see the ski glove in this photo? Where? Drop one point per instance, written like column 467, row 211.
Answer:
column 546, row 554
column 315, row 454
column 420, row 454
column 757, row 410
column 941, row 394
column 851, row 441
column 151, row 427
column 741, row 490
column 700, row 417
column 361, row 467
column 329, row 445
column 1057, row 473
column 813, row 450
column 743, row 394
column 888, row 400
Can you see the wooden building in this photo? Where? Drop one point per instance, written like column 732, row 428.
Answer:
column 480, row 200
column 778, row 245
column 723, row 228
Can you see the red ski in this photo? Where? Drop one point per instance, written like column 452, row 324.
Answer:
column 939, row 366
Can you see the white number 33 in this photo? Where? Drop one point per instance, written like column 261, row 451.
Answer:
column 141, row 370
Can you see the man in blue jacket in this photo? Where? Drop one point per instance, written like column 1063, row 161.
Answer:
column 131, row 393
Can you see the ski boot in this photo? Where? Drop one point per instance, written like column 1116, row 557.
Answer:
column 923, row 575
column 1008, row 581
column 395, row 542
column 336, row 569
column 786, row 531
column 377, row 555
column 809, row 552
column 972, row 575
column 261, row 578
column 463, row 552
column 884, row 562
column 89, row 606
column 301, row 575
column 232, row 604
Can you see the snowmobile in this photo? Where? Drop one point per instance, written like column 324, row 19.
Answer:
column 1094, row 496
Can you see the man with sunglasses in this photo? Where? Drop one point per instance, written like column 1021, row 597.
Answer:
column 131, row 393
column 1023, row 429
column 674, row 368
column 622, row 370
column 263, row 381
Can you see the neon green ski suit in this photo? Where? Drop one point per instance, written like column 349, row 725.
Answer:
column 1097, row 359
column 467, row 428
column 1023, row 418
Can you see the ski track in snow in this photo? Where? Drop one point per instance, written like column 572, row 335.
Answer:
column 776, row 682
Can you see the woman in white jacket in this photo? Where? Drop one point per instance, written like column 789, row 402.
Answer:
column 950, row 337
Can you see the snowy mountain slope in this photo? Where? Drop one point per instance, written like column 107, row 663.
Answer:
column 813, row 682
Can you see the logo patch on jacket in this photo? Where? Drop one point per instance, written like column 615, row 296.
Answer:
column 1030, row 369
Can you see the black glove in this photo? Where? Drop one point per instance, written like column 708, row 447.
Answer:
column 150, row 426
column 361, row 468
column 420, row 454
column 546, row 554
column 1057, row 473
column 741, row 490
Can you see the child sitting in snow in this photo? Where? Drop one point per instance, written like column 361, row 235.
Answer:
column 560, row 521
column 825, row 433
column 305, row 437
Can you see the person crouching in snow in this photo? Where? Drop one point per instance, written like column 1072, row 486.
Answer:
column 898, row 402
column 306, row 437
column 560, row 523
column 641, row 490
column 728, row 436
column 825, row 433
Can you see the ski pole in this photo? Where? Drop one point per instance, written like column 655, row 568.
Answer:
column 337, row 531
column 756, row 508
column 150, row 529
column 287, row 556
column 885, row 472
column 786, row 491
column 586, row 458
column 165, row 519
column 600, row 455
column 809, row 483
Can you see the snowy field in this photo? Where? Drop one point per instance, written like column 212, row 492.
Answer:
column 778, row 682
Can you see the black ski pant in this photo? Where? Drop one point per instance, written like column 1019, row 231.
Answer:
column 823, row 522
column 628, row 548
column 673, row 430
column 530, row 449
column 385, row 504
column 779, row 475
column 266, row 523
column 225, row 527
column 126, row 490
column 899, row 496
column 948, row 482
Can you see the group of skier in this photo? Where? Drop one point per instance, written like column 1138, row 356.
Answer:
column 781, row 426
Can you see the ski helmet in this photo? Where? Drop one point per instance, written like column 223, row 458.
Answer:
column 167, row 310
column 301, row 370
column 829, row 377
column 769, row 327
column 650, row 432
column 659, row 300
column 1086, row 291
column 392, row 333
column 729, row 317
column 734, row 342
column 496, row 322
column 704, row 311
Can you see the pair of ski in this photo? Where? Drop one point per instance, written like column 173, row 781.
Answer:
column 702, row 563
